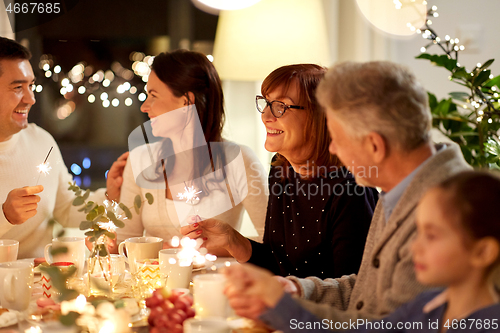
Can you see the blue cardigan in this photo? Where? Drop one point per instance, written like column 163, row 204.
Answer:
column 289, row 316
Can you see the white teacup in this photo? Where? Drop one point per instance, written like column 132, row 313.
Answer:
column 178, row 275
column 206, row 325
column 139, row 248
column 75, row 254
column 8, row 250
column 16, row 279
column 209, row 298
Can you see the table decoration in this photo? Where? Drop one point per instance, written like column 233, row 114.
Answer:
column 48, row 290
column 169, row 310
column 209, row 298
column 102, row 220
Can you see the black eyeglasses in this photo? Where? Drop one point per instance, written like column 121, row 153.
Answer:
column 278, row 108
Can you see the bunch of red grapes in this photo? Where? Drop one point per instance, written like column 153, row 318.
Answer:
column 169, row 309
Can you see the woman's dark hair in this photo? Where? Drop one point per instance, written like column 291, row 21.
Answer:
column 474, row 196
column 191, row 72
column 306, row 77
column 187, row 71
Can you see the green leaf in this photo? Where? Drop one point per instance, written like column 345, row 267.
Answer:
column 459, row 95
column 90, row 206
column 98, row 233
column 151, row 199
column 443, row 107
column 78, row 201
column 460, row 73
column 68, row 294
column 127, row 211
column 92, row 215
column 58, row 250
column 86, row 195
column 493, row 82
column 119, row 224
column 69, row 319
column 97, row 219
column 432, row 104
column 481, row 78
column 60, row 233
column 110, row 235
column 101, row 210
column 492, row 147
column 137, row 204
column 111, row 216
column 84, row 225
column 101, row 250
column 440, row 60
column 487, row 64
column 89, row 233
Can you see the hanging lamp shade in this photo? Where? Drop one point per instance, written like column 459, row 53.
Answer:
column 252, row 42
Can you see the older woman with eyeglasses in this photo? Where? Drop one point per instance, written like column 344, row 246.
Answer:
column 317, row 216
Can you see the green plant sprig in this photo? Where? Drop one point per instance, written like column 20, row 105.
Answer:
column 475, row 128
column 99, row 214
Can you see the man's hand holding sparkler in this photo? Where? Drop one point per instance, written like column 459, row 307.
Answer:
column 21, row 204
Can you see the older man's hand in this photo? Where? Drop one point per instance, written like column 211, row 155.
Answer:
column 251, row 290
column 21, row 204
column 288, row 285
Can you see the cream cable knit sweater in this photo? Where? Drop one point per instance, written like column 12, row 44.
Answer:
column 19, row 157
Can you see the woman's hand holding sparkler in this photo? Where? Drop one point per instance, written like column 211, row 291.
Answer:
column 21, row 204
column 217, row 234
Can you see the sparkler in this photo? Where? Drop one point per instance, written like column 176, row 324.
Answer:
column 190, row 195
column 44, row 167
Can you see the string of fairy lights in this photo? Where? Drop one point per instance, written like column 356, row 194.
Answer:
column 110, row 88
column 481, row 102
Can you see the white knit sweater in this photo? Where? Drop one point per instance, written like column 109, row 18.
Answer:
column 19, row 157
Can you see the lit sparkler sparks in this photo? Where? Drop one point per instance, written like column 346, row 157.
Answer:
column 191, row 252
column 44, row 167
column 112, row 207
column 190, row 195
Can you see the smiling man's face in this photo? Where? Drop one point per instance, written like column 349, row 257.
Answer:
column 16, row 96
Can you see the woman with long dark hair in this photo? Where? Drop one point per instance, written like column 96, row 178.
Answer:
column 183, row 159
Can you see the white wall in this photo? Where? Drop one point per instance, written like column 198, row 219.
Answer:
column 473, row 22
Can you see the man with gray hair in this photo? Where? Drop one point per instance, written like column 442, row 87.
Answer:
column 379, row 121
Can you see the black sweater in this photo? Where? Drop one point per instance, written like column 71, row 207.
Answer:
column 315, row 227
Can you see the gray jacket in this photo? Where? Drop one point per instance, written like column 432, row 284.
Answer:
column 386, row 278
